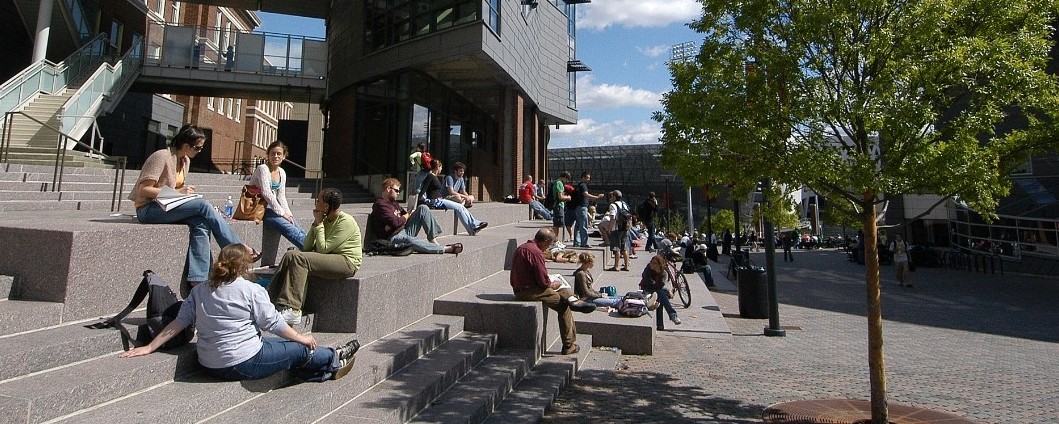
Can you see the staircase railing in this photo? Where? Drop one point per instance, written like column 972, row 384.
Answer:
column 62, row 140
column 318, row 173
column 78, row 113
column 50, row 78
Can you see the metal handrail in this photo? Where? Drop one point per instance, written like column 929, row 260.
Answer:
column 51, row 77
column 320, row 175
column 60, row 159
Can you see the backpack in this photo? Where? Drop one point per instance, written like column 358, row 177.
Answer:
column 386, row 247
column 634, row 304
column 425, row 160
column 163, row 305
column 549, row 198
column 623, row 220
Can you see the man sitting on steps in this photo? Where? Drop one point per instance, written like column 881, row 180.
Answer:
column 388, row 220
column 530, row 282
column 332, row 250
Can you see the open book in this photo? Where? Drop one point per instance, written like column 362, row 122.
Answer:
column 170, row 198
column 563, row 284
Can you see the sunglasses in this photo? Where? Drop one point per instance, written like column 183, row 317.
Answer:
column 199, row 148
column 396, row 190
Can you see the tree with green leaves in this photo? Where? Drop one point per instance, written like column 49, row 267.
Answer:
column 863, row 100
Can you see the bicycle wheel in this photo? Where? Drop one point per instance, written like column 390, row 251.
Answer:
column 684, row 290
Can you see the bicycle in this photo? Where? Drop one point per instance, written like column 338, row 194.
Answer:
column 738, row 260
column 680, row 283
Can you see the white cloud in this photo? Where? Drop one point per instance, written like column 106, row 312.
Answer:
column 591, row 95
column 589, row 133
column 654, row 51
column 637, row 13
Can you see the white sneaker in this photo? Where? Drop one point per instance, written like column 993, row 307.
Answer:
column 292, row 316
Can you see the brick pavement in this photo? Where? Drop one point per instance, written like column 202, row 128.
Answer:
column 980, row 346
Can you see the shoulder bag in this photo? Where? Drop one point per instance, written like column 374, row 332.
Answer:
column 251, row 206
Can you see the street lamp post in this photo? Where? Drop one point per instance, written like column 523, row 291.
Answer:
column 669, row 203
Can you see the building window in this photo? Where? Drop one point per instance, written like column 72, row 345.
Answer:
column 209, row 103
column 238, row 109
column 388, row 23
column 116, row 28
column 175, row 18
column 231, row 104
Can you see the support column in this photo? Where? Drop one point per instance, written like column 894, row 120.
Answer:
column 40, row 43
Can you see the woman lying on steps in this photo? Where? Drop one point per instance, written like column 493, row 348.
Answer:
column 229, row 314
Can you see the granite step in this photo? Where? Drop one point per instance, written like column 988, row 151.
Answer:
column 534, row 394
column 478, row 393
column 407, row 392
column 17, row 316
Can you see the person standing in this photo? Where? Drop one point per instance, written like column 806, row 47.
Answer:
column 530, row 282
column 418, row 166
column 581, row 199
column 619, row 232
column 788, row 244
column 333, row 250
column 648, row 210
column 726, row 243
column 558, row 188
column 389, row 221
column 271, row 179
column 901, row 260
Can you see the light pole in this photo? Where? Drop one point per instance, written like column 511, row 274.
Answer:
column 669, row 205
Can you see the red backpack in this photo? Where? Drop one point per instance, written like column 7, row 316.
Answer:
column 426, row 160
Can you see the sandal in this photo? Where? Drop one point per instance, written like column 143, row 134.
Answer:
column 613, row 268
column 254, row 255
column 457, row 248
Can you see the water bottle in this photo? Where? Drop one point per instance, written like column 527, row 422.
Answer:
column 229, row 208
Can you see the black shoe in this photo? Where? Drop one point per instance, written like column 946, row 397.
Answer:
column 572, row 349
column 480, row 226
column 582, row 306
column 345, row 358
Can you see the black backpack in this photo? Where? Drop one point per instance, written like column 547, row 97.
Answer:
column 163, row 305
column 549, row 197
column 386, row 247
column 623, row 220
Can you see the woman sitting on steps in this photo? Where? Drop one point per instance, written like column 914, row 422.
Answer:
column 229, row 314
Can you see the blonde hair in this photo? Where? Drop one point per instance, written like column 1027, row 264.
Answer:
column 586, row 258
column 232, row 262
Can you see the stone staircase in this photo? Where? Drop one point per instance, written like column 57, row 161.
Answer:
column 29, row 188
column 443, row 338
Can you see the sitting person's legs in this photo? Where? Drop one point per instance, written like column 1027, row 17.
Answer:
column 289, row 230
column 557, row 302
column 469, row 222
column 287, row 289
column 202, row 220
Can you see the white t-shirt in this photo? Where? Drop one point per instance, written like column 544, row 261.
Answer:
column 900, row 250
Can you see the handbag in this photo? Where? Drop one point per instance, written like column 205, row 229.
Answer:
column 251, row 206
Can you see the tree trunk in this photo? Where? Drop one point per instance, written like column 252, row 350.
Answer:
column 876, row 361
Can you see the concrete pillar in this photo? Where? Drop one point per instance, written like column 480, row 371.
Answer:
column 40, row 43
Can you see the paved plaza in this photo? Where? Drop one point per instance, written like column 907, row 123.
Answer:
column 981, row 346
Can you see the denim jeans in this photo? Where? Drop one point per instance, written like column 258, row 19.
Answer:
column 421, row 219
column 277, row 355
column 650, row 243
column 202, row 220
column 606, row 301
column 289, row 230
column 581, row 226
column 540, row 210
column 465, row 217
column 663, row 298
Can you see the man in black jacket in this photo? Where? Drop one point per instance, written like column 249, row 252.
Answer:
column 646, row 213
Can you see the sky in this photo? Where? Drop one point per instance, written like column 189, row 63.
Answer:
column 626, row 43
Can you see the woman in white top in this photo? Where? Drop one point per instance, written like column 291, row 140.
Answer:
column 272, row 180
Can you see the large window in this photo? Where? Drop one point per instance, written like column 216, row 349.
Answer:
column 389, row 22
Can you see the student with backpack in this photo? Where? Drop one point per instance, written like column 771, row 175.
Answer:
column 230, row 312
column 556, row 200
column 653, row 280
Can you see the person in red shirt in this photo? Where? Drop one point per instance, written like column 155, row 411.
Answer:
column 527, row 194
column 530, row 282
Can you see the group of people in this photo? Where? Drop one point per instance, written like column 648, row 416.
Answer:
column 230, row 312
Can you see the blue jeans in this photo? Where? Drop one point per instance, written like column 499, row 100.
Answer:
column 581, row 226
column 606, row 301
column 277, row 355
column 289, row 230
column 202, row 220
column 420, row 219
column 539, row 209
column 663, row 298
column 465, row 217
column 650, row 244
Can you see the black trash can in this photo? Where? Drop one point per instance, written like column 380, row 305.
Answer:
column 753, row 293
